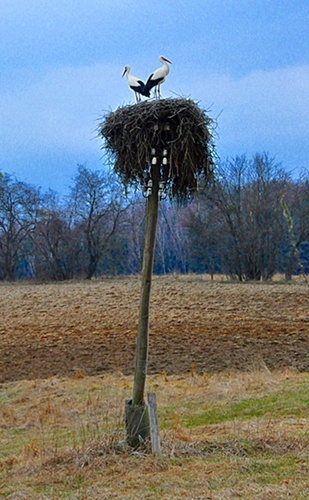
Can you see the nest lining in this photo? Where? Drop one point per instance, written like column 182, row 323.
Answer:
column 177, row 128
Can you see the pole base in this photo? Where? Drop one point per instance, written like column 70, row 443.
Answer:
column 137, row 425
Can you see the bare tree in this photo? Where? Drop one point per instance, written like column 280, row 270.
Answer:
column 172, row 246
column 55, row 249
column 97, row 203
column 295, row 204
column 134, row 227
column 207, row 236
column 19, row 207
column 248, row 195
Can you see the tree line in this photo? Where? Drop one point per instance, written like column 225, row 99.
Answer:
column 249, row 223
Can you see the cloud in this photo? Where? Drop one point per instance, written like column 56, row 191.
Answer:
column 261, row 110
column 61, row 108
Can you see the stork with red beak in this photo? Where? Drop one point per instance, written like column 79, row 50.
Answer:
column 137, row 85
column 158, row 77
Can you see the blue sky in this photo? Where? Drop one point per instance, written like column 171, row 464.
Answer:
column 61, row 61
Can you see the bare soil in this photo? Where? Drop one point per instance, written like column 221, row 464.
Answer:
column 62, row 329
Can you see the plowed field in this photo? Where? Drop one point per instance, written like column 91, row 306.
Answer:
column 90, row 327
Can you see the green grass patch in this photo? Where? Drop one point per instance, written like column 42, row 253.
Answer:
column 293, row 402
column 276, row 468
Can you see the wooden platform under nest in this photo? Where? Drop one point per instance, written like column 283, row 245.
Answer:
column 177, row 128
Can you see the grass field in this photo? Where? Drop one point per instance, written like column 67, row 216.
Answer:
column 228, row 363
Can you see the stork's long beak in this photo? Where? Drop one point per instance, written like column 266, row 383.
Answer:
column 124, row 72
column 167, row 60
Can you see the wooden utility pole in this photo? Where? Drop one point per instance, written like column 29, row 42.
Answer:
column 137, row 419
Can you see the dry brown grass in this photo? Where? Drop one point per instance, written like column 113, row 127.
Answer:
column 59, row 439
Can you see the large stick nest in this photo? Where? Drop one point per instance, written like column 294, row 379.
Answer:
column 178, row 126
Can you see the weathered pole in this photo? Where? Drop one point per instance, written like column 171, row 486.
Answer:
column 143, row 322
column 137, row 420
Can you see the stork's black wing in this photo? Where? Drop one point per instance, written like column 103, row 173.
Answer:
column 141, row 89
column 152, row 83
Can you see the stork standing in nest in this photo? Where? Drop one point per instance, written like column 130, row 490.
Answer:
column 158, row 77
column 137, row 85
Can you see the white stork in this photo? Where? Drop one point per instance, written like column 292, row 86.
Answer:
column 158, row 77
column 135, row 84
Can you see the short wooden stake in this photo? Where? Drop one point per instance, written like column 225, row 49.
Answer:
column 153, row 422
